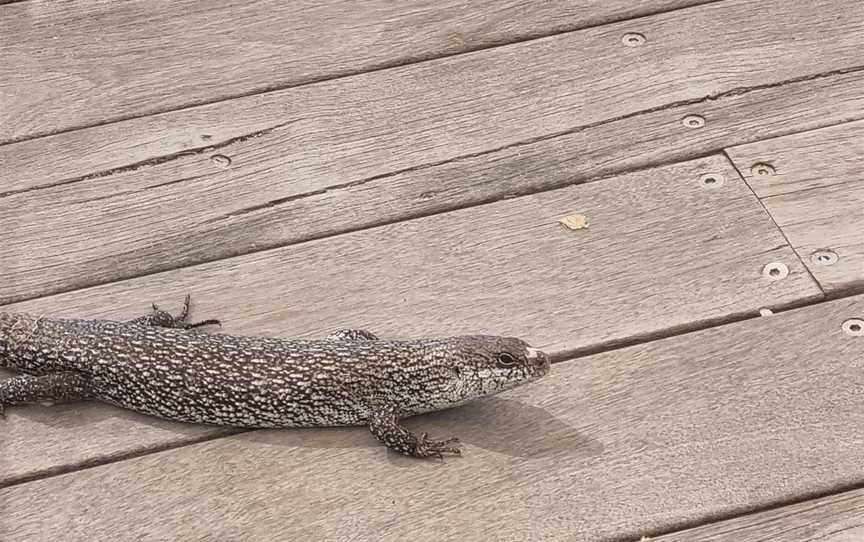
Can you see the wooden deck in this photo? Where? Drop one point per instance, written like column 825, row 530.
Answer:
column 403, row 167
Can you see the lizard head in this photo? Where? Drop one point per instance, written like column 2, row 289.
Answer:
column 485, row 365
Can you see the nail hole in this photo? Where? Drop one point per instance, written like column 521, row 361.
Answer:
column 633, row 39
column 854, row 327
column 712, row 179
column 221, row 160
column 762, row 169
column 693, row 121
column 824, row 257
column 775, row 271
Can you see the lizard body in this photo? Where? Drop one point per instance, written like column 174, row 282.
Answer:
column 158, row 365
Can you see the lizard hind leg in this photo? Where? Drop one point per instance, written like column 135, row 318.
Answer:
column 54, row 387
column 384, row 424
column 160, row 318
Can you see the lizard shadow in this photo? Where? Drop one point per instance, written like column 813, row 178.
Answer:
column 503, row 426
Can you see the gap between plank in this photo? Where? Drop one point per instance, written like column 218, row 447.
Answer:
column 98, row 462
column 349, row 73
column 742, row 512
column 776, row 225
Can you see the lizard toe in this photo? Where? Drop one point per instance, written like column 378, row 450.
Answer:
column 436, row 448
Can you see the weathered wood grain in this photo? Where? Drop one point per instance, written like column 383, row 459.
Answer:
column 119, row 226
column 612, row 446
column 814, row 190
column 75, row 63
column 659, row 236
column 836, row 518
column 663, row 252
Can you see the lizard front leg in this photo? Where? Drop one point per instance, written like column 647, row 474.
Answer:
column 160, row 318
column 53, row 387
column 384, row 424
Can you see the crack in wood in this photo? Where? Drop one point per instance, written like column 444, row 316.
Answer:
column 156, row 160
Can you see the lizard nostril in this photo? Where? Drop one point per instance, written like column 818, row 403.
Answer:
column 541, row 359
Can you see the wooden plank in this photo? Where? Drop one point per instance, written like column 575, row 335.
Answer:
column 835, row 518
column 736, row 117
column 612, row 446
column 76, row 63
column 261, row 202
column 814, row 190
column 663, row 252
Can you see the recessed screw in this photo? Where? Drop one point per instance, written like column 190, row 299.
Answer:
column 633, row 39
column 775, row 271
column 712, row 180
column 221, row 160
column 762, row 169
column 824, row 257
column 693, row 121
column 854, row 327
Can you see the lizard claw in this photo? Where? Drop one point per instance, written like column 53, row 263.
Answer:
column 202, row 323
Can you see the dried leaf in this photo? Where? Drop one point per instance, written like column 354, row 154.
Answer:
column 574, row 222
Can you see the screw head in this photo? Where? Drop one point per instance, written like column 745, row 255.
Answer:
column 712, row 180
column 693, row 121
column 633, row 39
column 762, row 169
column 854, row 327
column 775, row 271
column 824, row 257
column 220, row 160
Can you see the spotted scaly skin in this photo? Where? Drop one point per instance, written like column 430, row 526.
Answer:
column 160, row 365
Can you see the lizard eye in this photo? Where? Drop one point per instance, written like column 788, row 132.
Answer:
column 506, row 360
